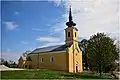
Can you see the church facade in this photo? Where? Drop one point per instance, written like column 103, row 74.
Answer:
column 67, row 57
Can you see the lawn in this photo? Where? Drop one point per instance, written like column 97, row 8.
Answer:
column 49, row 74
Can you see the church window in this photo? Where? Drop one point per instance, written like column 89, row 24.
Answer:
column 68, row 34
column 51, row 59
column 75, row 34
column 41, row 60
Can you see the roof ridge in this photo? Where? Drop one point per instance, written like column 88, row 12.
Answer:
column 49, row 46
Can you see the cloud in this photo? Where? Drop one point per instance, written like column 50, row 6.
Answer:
column 24, row 42
column 36, row 29
column 16, row 13
column 57, row 2
column 11, row 25
column 114, row 35
column 91, row 16
column 48, row 39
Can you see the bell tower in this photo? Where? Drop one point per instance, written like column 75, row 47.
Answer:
column 71, row 32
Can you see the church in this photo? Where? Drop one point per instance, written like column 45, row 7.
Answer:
column 67, row 57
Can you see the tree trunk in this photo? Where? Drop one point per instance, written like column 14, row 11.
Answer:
column 87, row 62
column 100, row 71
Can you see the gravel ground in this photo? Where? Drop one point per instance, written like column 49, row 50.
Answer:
column 4, row 68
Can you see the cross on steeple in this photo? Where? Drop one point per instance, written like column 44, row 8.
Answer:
column 70, row 23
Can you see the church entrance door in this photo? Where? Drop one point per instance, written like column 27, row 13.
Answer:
column 76, row 67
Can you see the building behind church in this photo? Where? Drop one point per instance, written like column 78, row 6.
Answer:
column 67, row 57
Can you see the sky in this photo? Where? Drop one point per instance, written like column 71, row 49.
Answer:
column 26, row 25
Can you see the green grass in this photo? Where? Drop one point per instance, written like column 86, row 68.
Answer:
column 48, row 74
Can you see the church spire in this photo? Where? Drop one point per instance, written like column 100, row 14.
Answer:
column 70, row 15
column 70, row 23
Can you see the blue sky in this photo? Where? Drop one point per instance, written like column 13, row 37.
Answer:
column 23, row 23
column 27, row 25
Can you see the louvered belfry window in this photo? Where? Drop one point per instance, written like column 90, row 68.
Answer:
column 68, row 34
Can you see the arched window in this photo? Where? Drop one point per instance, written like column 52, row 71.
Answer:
column 51, row 59
column 68, row 34
column 75, row 34
column 41, row 60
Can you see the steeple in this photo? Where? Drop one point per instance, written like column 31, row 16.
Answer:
column 70, row 23
column 70, row 15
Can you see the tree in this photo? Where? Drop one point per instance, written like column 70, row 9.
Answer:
column 2, row 61
column 6, row 64
column 83, row 44
column 102, row 52
column 11, row 62
column 14, row 63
